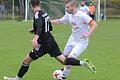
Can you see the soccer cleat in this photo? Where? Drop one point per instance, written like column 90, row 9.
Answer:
column 89, row 65
column 8, row 78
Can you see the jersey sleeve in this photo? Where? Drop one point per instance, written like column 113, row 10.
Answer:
column 64, row 19
column 87, row 19
column 88, row 9
column 38, row 23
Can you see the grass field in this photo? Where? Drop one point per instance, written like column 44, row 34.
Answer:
column 103, row 51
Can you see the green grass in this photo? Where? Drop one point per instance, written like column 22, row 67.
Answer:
column 103, row 51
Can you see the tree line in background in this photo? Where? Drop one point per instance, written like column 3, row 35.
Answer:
column 113, row 7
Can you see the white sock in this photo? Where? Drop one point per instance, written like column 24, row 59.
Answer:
column 66, row 71
column 17, row 78
column 82, row 63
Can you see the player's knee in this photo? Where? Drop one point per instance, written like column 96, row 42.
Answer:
column 67, row 61
column 71, row 61
column 27, row 60
column 26, row 64
column 72, row 56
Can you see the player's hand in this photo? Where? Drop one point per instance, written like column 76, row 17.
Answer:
column 31, row 30
column 87, row 35
column 35, row 43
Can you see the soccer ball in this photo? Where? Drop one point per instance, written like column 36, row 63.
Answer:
column 57, row 74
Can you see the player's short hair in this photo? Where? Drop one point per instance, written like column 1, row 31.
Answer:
column 73, row 2
column 35, row 2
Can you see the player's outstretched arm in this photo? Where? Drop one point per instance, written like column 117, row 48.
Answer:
column 56, row 21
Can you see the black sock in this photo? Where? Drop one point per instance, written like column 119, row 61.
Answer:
column 72, row 61
column 24, row 68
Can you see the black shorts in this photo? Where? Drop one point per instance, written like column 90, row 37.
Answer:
column 92, row 16
column 51, row 47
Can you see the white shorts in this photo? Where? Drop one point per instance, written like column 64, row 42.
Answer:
column 74, row 49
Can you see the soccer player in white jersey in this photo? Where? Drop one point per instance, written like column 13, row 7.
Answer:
column 84, row 8
column 82, row 28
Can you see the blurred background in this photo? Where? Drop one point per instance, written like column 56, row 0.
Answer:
column 20, row 9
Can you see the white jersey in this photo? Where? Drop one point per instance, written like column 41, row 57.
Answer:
column 80, row 24
column 84, row 9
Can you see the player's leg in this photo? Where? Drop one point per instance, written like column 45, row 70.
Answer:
column 33, row 55
column 76, row 51
column 69, row 61
column 55, row 51
column 67, row 68
column 24, row 68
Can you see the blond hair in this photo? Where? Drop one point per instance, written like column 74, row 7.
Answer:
column 72, row 2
